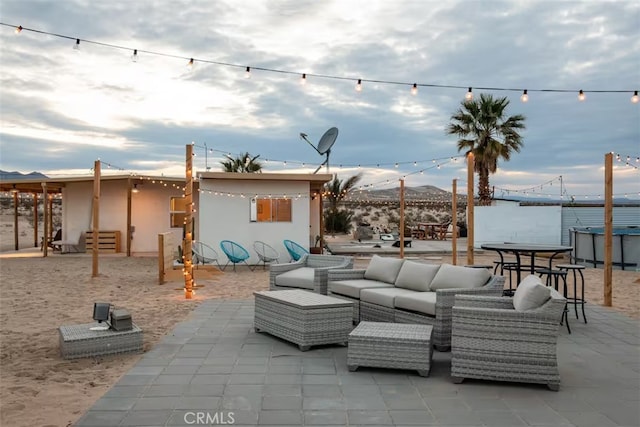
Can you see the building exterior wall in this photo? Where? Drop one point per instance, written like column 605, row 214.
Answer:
column 226, row 216
column 588, row 216
column 514, row 223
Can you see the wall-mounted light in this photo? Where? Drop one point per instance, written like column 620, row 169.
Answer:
column 135, row 188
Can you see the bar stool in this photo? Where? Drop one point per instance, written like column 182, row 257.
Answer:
column 576, row 300
column 553, row 278
column 510, row 267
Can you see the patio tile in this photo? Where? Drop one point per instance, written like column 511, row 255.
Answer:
column 126, row 391
column 409, row 417
column 154, row 403
column 115, row 404
column 324, row 418
column 166, row 390
column 199, row 403
column 101, row 418
column 323, row 403
column 282, row 390
column 280, row 418
column 210, row 379
column 321, row 390
column 369, row 417
column 146, row 418
column 281, row 402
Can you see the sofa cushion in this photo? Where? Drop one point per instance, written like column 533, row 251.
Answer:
column 383, row 269
column 456, row 277
column 298, row 278
column 422, row 302
column 416, row 276
column 351, row 288
column 530, row 294
column 383, row 296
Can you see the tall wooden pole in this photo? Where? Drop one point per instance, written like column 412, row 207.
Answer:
column 608, row 228
column 188, row 223
column 320, row 209
column 470, row 168
column 454, row 222
column 129, row 231
column 402, row 218
column 46, row 220
column 35, row 218
column 50, row 202
column 15, row 220
column 95, row 235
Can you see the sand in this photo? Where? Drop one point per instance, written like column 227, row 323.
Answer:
column 37, row 295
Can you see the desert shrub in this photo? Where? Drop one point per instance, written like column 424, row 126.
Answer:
column 338, row 222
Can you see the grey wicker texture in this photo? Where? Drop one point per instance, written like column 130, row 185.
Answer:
column 302, row 317
column 441, row 322
column 356, row 305
column 78, row 341
column 346, row 274
column 391, row 345
column 492, row 341
column 321, row 265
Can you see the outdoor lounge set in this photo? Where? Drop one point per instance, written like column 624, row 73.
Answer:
column 405, row 308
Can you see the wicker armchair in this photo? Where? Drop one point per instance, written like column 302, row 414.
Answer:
column 309, row 272
column 490, row 340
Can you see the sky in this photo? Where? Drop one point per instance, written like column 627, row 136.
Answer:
column 61, row 109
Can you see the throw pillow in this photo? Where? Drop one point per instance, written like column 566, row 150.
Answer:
column 416, row 276
column 456, row 277
column 530, row 294
column 383, row 269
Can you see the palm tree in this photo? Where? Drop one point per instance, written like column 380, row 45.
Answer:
column 335, row 191
column 243, row 163
column 484, row 131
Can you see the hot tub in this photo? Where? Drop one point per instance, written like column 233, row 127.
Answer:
column 588, row 246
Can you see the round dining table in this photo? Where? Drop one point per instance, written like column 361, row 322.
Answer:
column 518, row 249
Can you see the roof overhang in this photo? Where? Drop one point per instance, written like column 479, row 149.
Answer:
column 316, row 181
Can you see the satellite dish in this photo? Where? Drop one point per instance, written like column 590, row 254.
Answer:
column 324, row 146
column 327, row 140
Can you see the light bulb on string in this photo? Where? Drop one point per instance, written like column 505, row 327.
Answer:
column 134, row 57
column 303, row 79
column 359, row 86
column 469, row 95
column 18, row 29
column 581, row 96
column 190, row 66
column 247, row 73
column 76, row 46
column 525, row 96
column 414, row 89
column 635, row 98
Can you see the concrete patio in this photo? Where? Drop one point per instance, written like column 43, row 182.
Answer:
column 213, row 369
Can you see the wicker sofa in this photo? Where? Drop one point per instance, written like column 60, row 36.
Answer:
column 309, row 272
column 483, row 347
column 399, row 291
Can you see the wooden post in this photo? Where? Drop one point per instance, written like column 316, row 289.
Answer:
column 402, row 218
column 96, row 218
column 129, row 186
column 470, row 169
column 454, row 222
column 161, row 255
column 46, row 220
column 15, row 220
column 608, row 228
column 188, row 220
column 320, row 208
column 49, row 200
column 35, row 219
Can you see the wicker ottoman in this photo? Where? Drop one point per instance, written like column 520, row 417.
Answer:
column 80, row 341
column 391, row 345
column 302, row 317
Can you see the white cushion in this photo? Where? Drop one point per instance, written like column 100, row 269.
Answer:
column 530, row 294
column 298, row 278
column 456, row 277
column 420, row 302
column 383, row 296
column 383, row 269
column 351, row 288
column 416, row 276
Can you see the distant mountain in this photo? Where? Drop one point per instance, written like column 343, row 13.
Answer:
column 422, row 192
column 18, row 175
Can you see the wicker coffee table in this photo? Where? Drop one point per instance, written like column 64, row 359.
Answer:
column 303, row 318
column 80, row 341
column 391, row 345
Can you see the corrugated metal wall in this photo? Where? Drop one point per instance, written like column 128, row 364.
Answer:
column 594, row 217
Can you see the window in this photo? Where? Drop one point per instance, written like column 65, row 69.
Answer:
column 177, row 212
column 270, row 210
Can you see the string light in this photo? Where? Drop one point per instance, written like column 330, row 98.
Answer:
column 134, row 57
column 414, row 89
column 303, row 79
column 469, row 95
column 190, row 64
column 77, row 45
column 525, row 96
column 581, row 96
column 247, row 73
column 359, row 86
